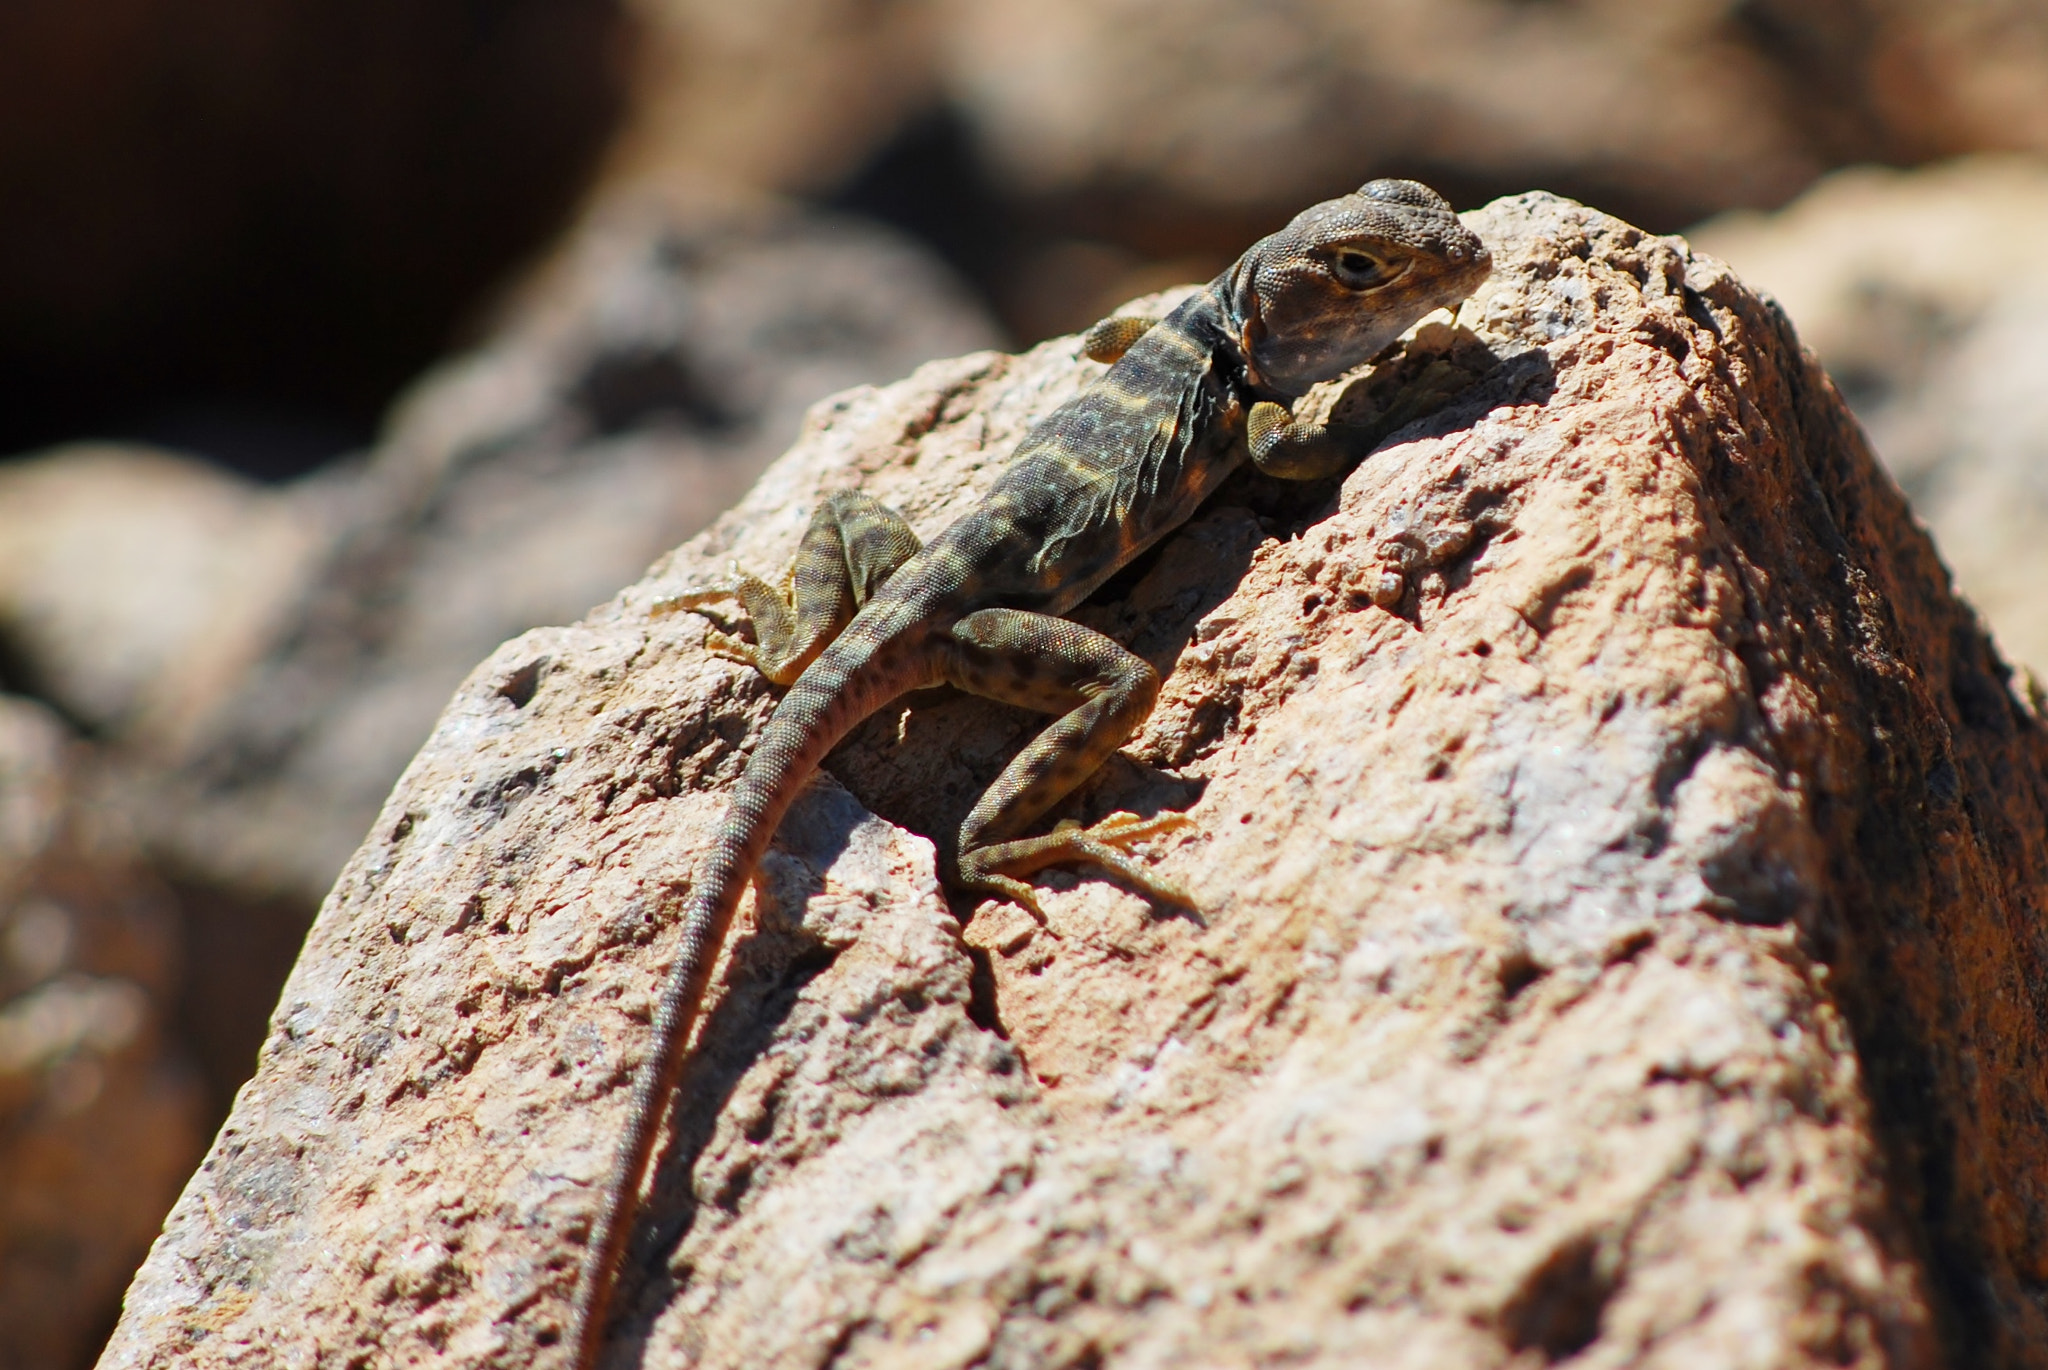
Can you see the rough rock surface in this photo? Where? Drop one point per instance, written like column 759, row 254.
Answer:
column 1620, row 863
column 100, row 1117
column 636, row 388
column 1923, row 294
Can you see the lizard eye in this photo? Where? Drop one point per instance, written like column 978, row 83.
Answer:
column 1357, row 270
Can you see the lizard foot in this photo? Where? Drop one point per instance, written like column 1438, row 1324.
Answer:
column 1106, row 844
column 1019, row 892
column 716, row 641
column 725, row 587
column 731, row 648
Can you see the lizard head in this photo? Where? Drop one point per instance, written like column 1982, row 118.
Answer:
column 1344, row 279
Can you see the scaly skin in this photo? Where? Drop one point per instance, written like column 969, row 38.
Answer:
column 870, row 615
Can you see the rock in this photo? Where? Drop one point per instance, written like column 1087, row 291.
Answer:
column 100, row 1116
column 1144, row 130
column 137, row 586
column 636, row 387
column 1953, row 77
column 785, row 95
column 1068, row 153
column 1922, row 293
column 1618, row 857
column 1257, row 110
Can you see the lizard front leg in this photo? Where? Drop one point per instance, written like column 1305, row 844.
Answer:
column 1113, row 336
column 853, row 544
column 1103, row 694
column 1284, row 446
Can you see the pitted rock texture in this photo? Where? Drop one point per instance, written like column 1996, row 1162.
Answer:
column 1618, row 857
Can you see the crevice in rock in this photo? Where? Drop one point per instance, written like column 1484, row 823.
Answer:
column 519, row 686
column 981, row 993
column 1557, row 1310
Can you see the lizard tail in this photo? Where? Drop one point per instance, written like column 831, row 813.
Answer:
column 838, row 690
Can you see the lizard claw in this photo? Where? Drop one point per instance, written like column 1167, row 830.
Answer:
column 1105, row 844
column 1123, row 827
column 725, row 587
column 1018, row 892
column 731, row 648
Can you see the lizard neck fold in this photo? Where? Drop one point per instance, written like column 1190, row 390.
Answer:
column 1241, row 323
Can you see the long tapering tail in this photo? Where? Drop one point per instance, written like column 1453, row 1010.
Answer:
column 843, row 686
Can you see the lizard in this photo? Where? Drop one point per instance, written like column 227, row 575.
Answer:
column 870, row 614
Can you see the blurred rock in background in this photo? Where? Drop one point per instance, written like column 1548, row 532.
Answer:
column 101, row 1115
column 1071, row 153
column 236, row 238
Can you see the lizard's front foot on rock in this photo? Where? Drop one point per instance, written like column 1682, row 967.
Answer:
column 725, row 587
column 1106, row 844
column 731, row 648
column 716, row 641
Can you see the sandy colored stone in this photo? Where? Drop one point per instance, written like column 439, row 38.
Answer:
column 137, row 586
column 1619, row 860
column 788, row 95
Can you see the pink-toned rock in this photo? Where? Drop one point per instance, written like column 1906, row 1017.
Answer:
column 1619, row 859
column 1922, row 292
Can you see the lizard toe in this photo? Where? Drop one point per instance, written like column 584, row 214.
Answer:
column 1018, row 892
column 731, row 648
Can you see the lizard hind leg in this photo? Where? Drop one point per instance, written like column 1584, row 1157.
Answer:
column 1102, row 694
column 853, row 544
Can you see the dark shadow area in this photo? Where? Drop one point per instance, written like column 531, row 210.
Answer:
column 1556, row 1313
column 237, row 955
column 770, row 969
column 1929, row 919
column 928, row 183
column 239, row 229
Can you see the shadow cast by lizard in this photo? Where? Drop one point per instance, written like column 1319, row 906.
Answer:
column 923, row 762
column 781, row 954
